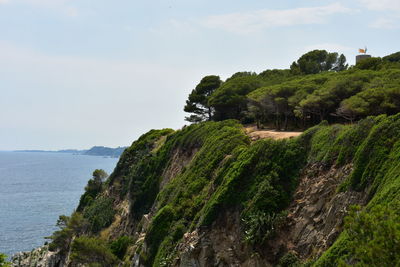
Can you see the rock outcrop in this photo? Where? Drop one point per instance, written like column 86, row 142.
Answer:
column 222, row 244
column 313, row 223
column 315, row 216
column 40, row 257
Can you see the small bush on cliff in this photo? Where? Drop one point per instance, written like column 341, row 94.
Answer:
column 120, row 245
column 374, row 235
column 69, row 226
column 289, row 260
column 90, row 250
column 3, row 261
column 261, row 226
column 100, row 213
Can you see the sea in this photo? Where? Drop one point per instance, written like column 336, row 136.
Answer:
column 37, row 187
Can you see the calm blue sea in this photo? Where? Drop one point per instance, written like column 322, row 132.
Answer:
column 35, row 188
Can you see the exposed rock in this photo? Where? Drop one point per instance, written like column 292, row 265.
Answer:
column 180, row 159
column 40, row 257
column 220, row 245
column 316, row 213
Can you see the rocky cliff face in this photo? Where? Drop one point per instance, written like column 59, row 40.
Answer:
column 209, row 196
column 314, row 221
column 40, row 257
column 315, row 216
column 219, row 245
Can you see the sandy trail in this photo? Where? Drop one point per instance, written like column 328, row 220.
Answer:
column 256, row 134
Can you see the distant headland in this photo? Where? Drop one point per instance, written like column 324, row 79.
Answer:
column 94, row 151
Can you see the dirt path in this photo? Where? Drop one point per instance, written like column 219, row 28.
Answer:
column 256, row 134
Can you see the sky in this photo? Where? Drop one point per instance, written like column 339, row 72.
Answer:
column 79, row 73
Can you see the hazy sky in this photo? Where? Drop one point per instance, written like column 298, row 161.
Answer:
column 78, row 73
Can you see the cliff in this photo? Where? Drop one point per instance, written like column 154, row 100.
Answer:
column 208, row 195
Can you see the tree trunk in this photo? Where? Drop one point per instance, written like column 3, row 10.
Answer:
column 209, row 113
column 286, row 122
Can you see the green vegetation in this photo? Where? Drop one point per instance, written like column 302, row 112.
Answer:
column 228, row 173
column 374, row 150
column 317, row 61
column 3, row 261
column 289, row 260
column 92, row 252
column 120, row 245
column 191, row 178
column 69, row 227
column 374, row 235
column 183, row 198
column 261, row 226
column 138, row 154
column 92, row 189
column 100, row 213
column 197, row 102
column 317, row 87
column 229, row 100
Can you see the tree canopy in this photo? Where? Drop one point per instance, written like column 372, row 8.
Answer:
column 197, row 102
column 318, row 86
column 317, row 61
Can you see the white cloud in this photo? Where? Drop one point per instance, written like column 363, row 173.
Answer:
column 44, row 2
column 258, row 20
column 385, row 23
column 62, row 6
column 47, row 3
column 391, row 20
column 381, row 4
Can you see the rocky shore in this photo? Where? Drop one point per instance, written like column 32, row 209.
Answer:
column 39, row 257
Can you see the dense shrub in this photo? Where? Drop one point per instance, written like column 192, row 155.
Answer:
column 120, row 245
column 372, row 88
column 90, row 250
column 3, row 261
column 289, row 260
column 158, row 230
column 100, row 213
column 69, row 227
column 135, row 153
column 92, row 189
column 374, row 235
column 374, row 151
column 260, row 178
column 260, row 226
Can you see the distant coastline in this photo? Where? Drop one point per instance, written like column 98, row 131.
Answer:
column 94, row 151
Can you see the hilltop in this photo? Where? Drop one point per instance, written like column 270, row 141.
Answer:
column 318, row 86
column 235, row 188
